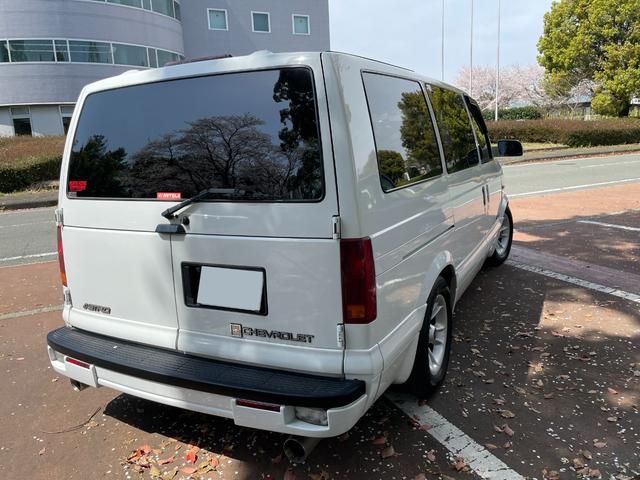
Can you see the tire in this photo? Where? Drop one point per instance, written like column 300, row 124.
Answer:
column 428, row 374
column 505, row 239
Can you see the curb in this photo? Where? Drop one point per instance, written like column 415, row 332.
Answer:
column 28, row 202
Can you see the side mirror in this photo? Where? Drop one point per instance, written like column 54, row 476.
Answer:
column 509, row 148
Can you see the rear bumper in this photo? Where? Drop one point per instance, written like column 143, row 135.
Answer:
column 206, row 385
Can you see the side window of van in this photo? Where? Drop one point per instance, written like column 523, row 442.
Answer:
column 456, row 133
column 480, row 129
column 406, row 143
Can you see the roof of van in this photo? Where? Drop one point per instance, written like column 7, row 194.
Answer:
column 257, row 60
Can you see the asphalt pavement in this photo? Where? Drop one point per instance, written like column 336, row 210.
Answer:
column 27, row 236
column 540, row 178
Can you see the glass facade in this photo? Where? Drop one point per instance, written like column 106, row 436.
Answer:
column 83, row 51
column 170, row 8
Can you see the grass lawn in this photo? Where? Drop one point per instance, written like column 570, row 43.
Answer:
column 14, row 150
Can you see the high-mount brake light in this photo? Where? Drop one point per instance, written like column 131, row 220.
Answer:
column 63, row 271
column 358, row 281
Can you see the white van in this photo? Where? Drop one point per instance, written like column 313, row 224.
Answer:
column 275, row 238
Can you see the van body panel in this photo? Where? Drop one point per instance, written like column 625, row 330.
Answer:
column 300, row 295
column 121, row 284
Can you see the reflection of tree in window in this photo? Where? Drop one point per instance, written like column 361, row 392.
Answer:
column 269, row 154
column 99, row 167
column 457, row 138
column 418, row 137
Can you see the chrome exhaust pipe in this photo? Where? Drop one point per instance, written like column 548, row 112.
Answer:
column 298, row 449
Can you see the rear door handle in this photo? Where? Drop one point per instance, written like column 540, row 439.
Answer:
column 174, row 228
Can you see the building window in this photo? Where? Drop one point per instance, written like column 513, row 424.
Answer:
column 31, row 51
column 217, row 19
column 153, row 58
column 176, row 9
column 4, row 52
column 90, row 52
column 129, row 3
column 165, row 7
column 62, row 51
column 130, row 55
column 301, row 25
column 21, row 117
column 165, row 57
column 66, row 112
column 261, row 22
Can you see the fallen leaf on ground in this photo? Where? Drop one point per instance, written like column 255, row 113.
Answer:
column 508, row 445
column 507, row 429
column 459, row 464
column 170, row 474
column 612, row 391
column 420, row 476
column 214, row 462
column 431, row 456
column 382, row 440
column 599, row 444
column 578, row 463
column 154, row 471
column 191, row 456
column 594, row 473
column 612, row 419
column 164, row 461
column 586, row 454
column 388, row 452
column 188, row 470
column 506, row 413
column 490, row 446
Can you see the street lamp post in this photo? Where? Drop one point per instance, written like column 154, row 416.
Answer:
column 442, row 43
column 471, row 54
column 498, row 64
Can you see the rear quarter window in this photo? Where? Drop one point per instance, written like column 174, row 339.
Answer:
column 252, row 134
column 406, row 145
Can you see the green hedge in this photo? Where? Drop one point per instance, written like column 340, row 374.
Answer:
column 574, row 133
column 20, row 175
column 516, row 113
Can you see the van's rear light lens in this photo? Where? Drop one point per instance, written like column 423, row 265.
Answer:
column 73, row 361
column 63, row 272
column 271, row 407
column 358, row 281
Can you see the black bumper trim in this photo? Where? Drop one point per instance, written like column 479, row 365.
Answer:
column 203, row 374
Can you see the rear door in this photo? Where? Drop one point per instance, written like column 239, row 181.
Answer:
column 257, row 271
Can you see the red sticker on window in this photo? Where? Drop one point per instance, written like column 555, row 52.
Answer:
column 77, row 185
column 168, row 195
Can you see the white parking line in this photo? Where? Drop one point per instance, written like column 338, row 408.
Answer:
column 610, row 225
column 478, row 458
column 576, row 281
column 574, row 187
column 22, row 257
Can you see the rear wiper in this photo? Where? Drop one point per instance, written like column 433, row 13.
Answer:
column 170, row 213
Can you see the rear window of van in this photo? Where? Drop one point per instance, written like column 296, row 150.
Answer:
column 250, row 136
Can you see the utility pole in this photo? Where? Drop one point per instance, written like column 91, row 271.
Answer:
column 498, row 64
column 471, row 55
column 442, row 43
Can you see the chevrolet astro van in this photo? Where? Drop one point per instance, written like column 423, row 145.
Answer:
column 275, row 238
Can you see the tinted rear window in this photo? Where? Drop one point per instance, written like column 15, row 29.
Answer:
column 253, row 136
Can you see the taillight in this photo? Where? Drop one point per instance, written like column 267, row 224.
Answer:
column 358, row 281
column 63, row 272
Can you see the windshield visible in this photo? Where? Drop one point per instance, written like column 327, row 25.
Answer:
column 255, row 133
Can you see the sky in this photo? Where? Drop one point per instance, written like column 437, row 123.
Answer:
column 408, row 32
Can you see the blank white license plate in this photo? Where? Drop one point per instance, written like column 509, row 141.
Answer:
column 231, row 288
